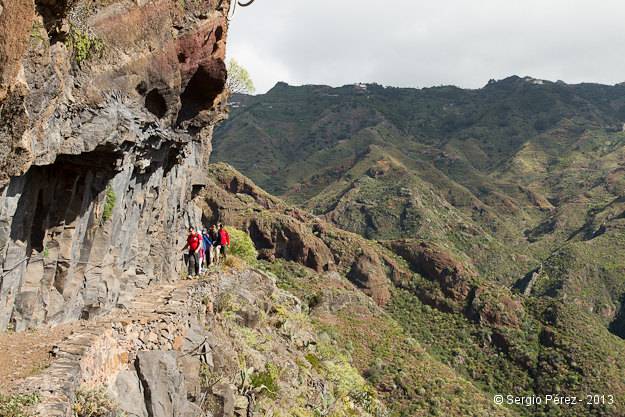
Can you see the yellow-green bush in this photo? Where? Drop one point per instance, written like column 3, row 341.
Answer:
column 13, row 405
column 94, row 402
column 109, row 204
column 227, row 301
column 346, row 377
column 241, row 245
column 81, row 39
column 265, row 381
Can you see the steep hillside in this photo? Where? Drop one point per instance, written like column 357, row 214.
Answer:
column 515, row 179
column 445, row 340
column 449, row 198
column 326, row 322
column 482, row 127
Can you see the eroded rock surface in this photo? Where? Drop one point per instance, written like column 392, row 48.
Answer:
column 436, row 264
column 101, row 156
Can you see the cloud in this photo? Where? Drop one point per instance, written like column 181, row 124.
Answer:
column 424, row 43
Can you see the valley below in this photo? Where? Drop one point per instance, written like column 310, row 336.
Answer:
column 516, row 187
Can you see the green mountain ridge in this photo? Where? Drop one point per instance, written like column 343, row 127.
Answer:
column 514, row 178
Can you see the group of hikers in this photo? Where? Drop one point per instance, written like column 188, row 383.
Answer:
column 206, row 249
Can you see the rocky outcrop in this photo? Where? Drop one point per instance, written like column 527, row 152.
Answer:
column 15, row 24
column 164, row 385
column 436, row 264
column 101, row 155
column 482, row 301
column 367, row 272
column 223, row 346
column 278, row 231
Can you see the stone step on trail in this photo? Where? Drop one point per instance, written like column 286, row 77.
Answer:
column 96, row 351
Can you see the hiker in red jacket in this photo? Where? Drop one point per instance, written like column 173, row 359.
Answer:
column 194, row 242
column 225, row 239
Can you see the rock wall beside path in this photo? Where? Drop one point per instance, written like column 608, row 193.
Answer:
column 101, row 157
column 134, row 351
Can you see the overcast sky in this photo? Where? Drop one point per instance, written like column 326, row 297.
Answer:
column 419, row 43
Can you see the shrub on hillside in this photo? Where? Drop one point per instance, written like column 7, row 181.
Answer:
column 94, row 402
column 241, row 245
column 13, row 405
column 109, row 204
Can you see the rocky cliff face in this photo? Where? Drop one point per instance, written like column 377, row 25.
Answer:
column 106, row 116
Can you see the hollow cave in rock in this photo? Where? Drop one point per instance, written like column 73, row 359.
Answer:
column 201, row 91
column 155, row 103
